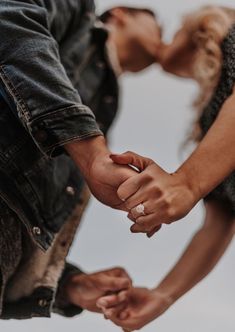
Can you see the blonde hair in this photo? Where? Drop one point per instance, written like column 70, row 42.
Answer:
column 207, row 27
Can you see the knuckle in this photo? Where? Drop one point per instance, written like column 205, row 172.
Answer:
column 120, row 270
column 147, row 177
column 156, row 190
column 150, row 161
column 130, row 153
column 167, row 200
column 172, row 214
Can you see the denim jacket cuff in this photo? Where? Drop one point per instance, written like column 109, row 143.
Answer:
column 61, row 305
column 52, row 131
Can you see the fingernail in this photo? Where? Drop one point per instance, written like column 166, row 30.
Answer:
column 102, row 303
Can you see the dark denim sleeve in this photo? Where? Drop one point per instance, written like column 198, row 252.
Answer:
column 48, row 105
column 43, row 301
column 61, row 306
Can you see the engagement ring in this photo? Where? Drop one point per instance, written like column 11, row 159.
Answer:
column 140, row 209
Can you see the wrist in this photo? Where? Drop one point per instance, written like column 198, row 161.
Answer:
column 71, row 287
column 167, row 296
column 191, row 183
column 85, row 152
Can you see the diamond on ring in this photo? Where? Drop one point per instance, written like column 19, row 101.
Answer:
column 140, row 209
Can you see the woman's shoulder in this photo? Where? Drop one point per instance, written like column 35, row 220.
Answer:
column 228, row 44
column 225, row 86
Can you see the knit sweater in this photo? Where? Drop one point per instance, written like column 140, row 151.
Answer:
column 225, row 192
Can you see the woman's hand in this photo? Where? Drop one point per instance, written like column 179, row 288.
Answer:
column 165, row 197
column 141, row 306
column 84, row 290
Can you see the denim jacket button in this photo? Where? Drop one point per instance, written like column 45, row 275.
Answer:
column 36, row 231
column 42, row 303
column 70, row 190
column 41, row 135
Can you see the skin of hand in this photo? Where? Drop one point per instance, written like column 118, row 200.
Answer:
column 84, row 290
column 102, row 175
column 141, row 307
column 137, row 307
column 166, row 197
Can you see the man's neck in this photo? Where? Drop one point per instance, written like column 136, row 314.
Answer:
column 113, row 57
column 119, row 46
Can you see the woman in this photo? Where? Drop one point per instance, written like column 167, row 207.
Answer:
column 204, row 49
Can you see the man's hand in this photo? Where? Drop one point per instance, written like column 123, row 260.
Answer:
column 140, row 307
column 84, row 290
column 166, row 197
column 102, row 176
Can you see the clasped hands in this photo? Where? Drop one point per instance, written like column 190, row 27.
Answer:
column 135, row 184
column 151, row 197
column 154, row 197
column 111, row 292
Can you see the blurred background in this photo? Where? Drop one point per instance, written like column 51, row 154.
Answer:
column 154, row 119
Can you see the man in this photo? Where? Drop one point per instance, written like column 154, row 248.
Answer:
column 54, row 61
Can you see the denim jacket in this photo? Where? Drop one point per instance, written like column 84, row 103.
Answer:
column 53, row 70
column 52, row 64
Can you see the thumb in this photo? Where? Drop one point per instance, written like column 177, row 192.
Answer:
column 131, row 158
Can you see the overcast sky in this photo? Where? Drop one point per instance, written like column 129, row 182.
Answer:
column 160, row 108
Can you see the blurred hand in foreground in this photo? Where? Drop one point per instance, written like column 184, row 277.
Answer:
column 84, row 290
column 134, row 308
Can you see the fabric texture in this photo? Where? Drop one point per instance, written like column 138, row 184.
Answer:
column 40, row 186
column 225, row 192
column 33, row 280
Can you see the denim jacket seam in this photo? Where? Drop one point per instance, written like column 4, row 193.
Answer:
column 14, row 94
column 53, row 114
column 20, row 102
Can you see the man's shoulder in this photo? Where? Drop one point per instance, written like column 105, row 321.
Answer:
column 76, row 6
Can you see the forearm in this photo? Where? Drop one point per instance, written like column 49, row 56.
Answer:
column 200, row 257
column 62, row 304
column 214, row 158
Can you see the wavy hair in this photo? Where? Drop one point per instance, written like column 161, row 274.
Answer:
column 207, row 27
